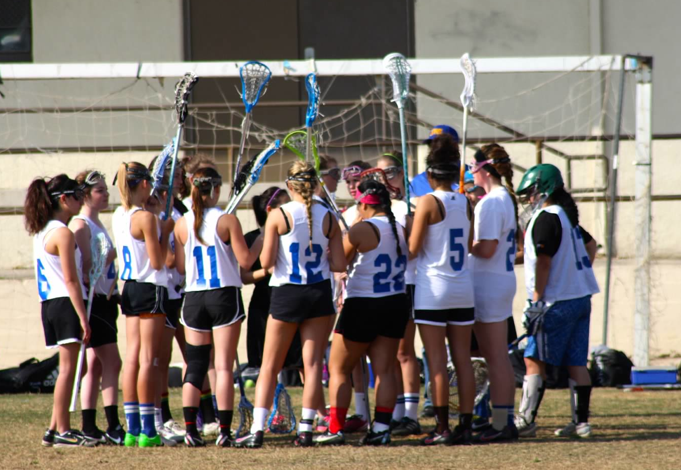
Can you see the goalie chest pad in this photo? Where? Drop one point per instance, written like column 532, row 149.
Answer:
column 211, row 265
column 296, row 262
column 48, row 268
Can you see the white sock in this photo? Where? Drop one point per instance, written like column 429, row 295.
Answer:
column 259, row 418
column 360, row 405
column 379, row 427
column 158, row 418
column 398, row 411
column 411, row 405
column 306, row 420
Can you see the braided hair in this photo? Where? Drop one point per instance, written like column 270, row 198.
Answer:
column 500, row 168
column 303, row 179
column 204, row 183
column 367, row 187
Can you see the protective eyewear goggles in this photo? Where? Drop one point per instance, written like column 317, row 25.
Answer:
column 334, row 173
column 350, row 172
column 392, row 171
column 93, row 178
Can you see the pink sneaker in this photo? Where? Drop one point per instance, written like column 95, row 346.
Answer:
column 355, row 423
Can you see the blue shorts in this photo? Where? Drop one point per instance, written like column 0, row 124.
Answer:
column 563, row 339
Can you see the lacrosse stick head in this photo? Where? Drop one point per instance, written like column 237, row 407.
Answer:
column 282, row 420
column 399, row 71
column 468, row 97
column 99, row 248
column 481, row 382
column 313, row 96
column 254, row 78
column 245, row 417
column 377, row 174
column 159, row 171
column 296, row 142
column 182, row 90
column 250, row 172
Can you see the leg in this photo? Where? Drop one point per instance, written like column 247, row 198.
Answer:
column 130, row 374
column 434, row 341
column 198, row 357
column 533, row 392
column 151, row 332
column 165, row 352
column 345, row 355
column 226, row 340
column 89, row 391
column 459, row 337
column 110, row 359
column 409, row 367
column 68, row 356
column 382, row 353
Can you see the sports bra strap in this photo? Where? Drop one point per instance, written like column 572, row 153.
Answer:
column 288, row 225
column 375, row 229
column 440, row 206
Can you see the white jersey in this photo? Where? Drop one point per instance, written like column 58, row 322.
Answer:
column 296, row 263
column 570, row 275
column 443, row 280
column 48, row 268
column 380, row 272
column 175, row 279
column 211, row 265
column 108, row 278
column 133, row 259
column 399, row 209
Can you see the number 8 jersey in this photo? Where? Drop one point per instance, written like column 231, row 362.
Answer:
column 211, row 266
column 443, row 280
column 296, row 262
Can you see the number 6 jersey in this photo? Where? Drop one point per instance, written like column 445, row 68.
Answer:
column 296, row 262
column 443, row 280
column 212, row 265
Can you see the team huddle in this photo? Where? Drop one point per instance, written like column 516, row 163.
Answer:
column 442, row 262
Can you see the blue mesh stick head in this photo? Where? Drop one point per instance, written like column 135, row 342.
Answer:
column 161, row 165
column 254, row 78
column 313, row 96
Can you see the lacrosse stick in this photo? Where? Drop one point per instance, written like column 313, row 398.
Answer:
column 254, row 78
column 99, row 247
column 182, row 91
column 282, row 419
column 299, row 143
column 313, row 95
column 481, row 382
column 158, row 171
column 399, row 70
column 468, row 101
column 245, row 406
column 249, row 175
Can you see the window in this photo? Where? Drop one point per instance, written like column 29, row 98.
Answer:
column 15, row 31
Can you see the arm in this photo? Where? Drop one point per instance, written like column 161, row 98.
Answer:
column 541, row 276
column 337, row 262
column 591, row 249
column 270, row 246
column 180, row 240
column 420, row 225
column 229, row 230
column 251, row 277
column 170, row 256
column 484, row 248
column 65, row 244
column 144, row 227
column 82, row 234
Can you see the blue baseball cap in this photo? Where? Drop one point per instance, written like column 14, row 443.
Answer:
column 468, row 177
column 442, row 129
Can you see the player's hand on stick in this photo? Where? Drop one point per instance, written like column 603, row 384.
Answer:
column 85, row 326
column 167, row 227
column 533, row 316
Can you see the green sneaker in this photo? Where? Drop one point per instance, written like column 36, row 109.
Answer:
column 130, row 440
column 146, row 441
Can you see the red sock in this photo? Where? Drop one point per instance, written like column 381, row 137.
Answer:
column 337, row 419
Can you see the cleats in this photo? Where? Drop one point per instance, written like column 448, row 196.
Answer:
column 491, row 435
column 97, row 436
column 211, row 429
column 146, row 441
column 322, row 424
column 115, row 436
column 525, row 429
column 48, row 438
column 175, row 427
column 437, row 439
column 375, row 438
column 224, row 440
column 71, row 438
column 407, row 427
column 428, row 412
column 355, row 423
column 303, row 439
column 250, row 441
column 167, row 434
column 581, row 430
column 480, row 424
column 460, row 436
column 330, row 439
column 130, row 440
column 194, row 440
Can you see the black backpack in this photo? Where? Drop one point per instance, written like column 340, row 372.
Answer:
column 610, row 367
column 31, row 376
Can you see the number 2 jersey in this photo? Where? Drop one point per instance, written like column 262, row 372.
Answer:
column 296, row 262
column 570, row 274
column 443, row 280
column 49, row 272
column 211, row 265
column 379, row 272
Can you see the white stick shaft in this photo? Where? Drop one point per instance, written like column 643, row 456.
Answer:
column 245, row 126
column 81, row 356
column 463, row 145
column 405, row 166
column 333, row 205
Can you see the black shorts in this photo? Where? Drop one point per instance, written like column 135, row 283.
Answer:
column 103, row 318
column 450, row 316
column 410, row 291
column 293, row 303
column 172, row 308
column 211, row 309
column 143, row 298
column 363, row 319
column 61, row 324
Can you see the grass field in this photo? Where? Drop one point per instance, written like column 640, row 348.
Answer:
column 631, row 431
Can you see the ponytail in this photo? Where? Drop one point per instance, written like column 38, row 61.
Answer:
column 374, row 187
column 303, row 180
column 269, row 198
column 564, row 200
column 204, row 183
column 127, row 179
column 42, row 201
column 501, row 168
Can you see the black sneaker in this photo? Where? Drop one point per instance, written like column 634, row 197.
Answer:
column 480, row 424
column 428, row 412
column 115, row 436
column 72, row 438
column 48, row 438
column 436, row 439
column 460, row 436
column 491, row 435
column 375, row 438
column 194, row 440
column 96, row 436
column 303, row 439
column 250, row 441
column 407, row 427
column 224, row 440
column 328, row 438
